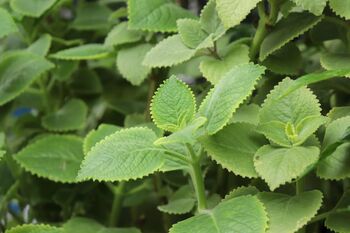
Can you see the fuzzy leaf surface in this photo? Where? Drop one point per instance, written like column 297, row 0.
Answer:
column 32, row 228
column 315, row 7
column 221, row 102
column 83, row 52
column 120, row 34
column 341, row 8
column 31, row 8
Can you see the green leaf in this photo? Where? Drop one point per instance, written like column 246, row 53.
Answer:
column 17, row 71
column 234, row 216
column 281, row 118
column 7, row 24
column 31, row 8
column 83, row 52
column 55, row 157
column 96, row 135
column 126, row 154
column 91, row 16
column 315, row 7
column 278, row 166
column 181, row 202
column 210, row 20
column 213, row 69
column 341, row 8
column 191, row 32
column 71, row 116
column 242, row 191
column 129, row 63
column 64, row 69
column 338, row 219
column 234, row 147
column 221, row 102
column 120, row 35
column 247, row 114
column 31, row 228
column 286, row 60
column 332, row 61
column 232, row 12
column 155, row 15
column 339, row 112
column 41, row 46
column 173, row 105
column 335, row 166
column 288, row 214
column 170, row 51
column 286, row 30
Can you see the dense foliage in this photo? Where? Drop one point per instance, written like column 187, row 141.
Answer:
column 187, row 116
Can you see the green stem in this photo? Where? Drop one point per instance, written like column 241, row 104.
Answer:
column 117, row 204
column 299, row 186
column 45, row 93
column 326, row 214
column 260, row 33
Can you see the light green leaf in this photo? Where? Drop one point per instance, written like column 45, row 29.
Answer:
column 31, row 8
column 210, row 20
column 341, row 8
column 91, row 16
column 120, row 35
column 96, row 135
column 221, row 102
column 230, row 216
column 213, row 69
column 247, row 114
column 315, row 7
column 191, row 32
column 234, row 147
column 288, row 214
column 232, row 12
column 55, row 157
column 83, row 52
column 286, row 60
column 7, row 24
column 286, row 30
column 124, row 155
column 71, row 116
column 173, row 105
column 41, row 46
column 31, row 228
column 242, row 191
column 278, row 166
column 155, row 15
column 281, row 118
column 170, row 51
column 64, row 69
column 336, row 166
column 339, row 112
column 17, row 71
column 129, row 63
column 338, row 220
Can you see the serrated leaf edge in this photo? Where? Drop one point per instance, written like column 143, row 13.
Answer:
column 39, row 225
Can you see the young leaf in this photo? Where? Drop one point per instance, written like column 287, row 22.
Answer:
column 170, row 51
column 234, row 147
column 299, row 210
column 315, row 7
column 31, row 8
column 338, row 219
column 281, row 118
column 278, row 166
column 155, row 15
column 7, row 24
column 242, row 191
column 173, row 105
column 221, row 102
column 71, row 116
column 124, row 155
column 336, row 165
column 41, row 46
column 234, row 216
column 129, row 63
column 55, row 157
column 120, row 35
column 83, row 52
column 341, row 8
column 210, row 20
column 286, row 30
column 232, row 12
column 96, row 135
column 32, row 228
column 91, row 16
column 17, row 71
column 191, row 32
column 213, row 69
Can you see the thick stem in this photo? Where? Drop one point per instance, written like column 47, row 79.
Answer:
column 260, row 33
column 117, row 204
column 198, row 182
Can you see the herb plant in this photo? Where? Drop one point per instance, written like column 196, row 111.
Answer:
column 218, row 116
